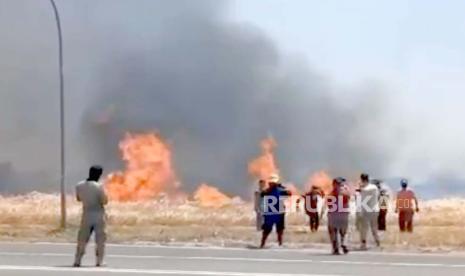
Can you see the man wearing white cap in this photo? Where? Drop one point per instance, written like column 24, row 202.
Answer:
column 274, row 211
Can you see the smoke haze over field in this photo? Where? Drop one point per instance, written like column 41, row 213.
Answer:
column 215, row 88
column 211, row 86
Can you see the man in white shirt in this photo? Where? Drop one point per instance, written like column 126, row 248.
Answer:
column 369, row 195
column 93, row 199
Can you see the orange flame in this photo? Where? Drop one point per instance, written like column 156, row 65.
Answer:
column 208, row 196
column 264, row 165
column 149, row 169
column 321, row 180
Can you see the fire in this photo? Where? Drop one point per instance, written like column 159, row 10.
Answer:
column 321, row 180
column 208, row 196
column 264, row 165
column 149, row 173
column 149, row 169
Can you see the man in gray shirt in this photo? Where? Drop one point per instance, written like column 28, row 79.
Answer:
column 92, row 195
column 258, row 204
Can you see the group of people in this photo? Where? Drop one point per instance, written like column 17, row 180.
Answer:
column 371, row 207
column 371, row 198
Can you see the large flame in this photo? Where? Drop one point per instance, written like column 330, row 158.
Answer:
column 264, row 165
column 149, row 172
column 149, row 169
column 321, row 180
column 208, row 196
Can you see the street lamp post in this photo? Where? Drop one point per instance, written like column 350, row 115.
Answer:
column 62, row 118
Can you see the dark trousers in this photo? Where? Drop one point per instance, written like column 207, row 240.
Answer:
column 277, row 220
column 382, row 219
column 314, row 220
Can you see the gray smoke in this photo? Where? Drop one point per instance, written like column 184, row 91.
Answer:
column 213, row 87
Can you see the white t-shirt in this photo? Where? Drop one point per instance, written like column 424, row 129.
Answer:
column 370, row 195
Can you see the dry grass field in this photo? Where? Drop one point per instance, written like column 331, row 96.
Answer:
column 34, row 217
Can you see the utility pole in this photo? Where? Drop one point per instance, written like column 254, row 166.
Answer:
column 62, row 118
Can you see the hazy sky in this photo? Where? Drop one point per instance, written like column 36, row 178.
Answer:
column 414, row 48
column 400, row 41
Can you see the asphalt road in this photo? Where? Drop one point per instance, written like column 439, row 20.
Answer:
column 45, row 259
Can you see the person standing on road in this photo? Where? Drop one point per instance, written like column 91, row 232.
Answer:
column 404, row 206
column 311, row 207
column 337, row 203
column 259, row 204
column 93, row 198
column 358, row 210
column 274, row 209
column 369, row 212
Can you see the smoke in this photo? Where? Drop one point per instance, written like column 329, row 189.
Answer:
column 213, row 87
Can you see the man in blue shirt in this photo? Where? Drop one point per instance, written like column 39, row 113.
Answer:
column 274, row 210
